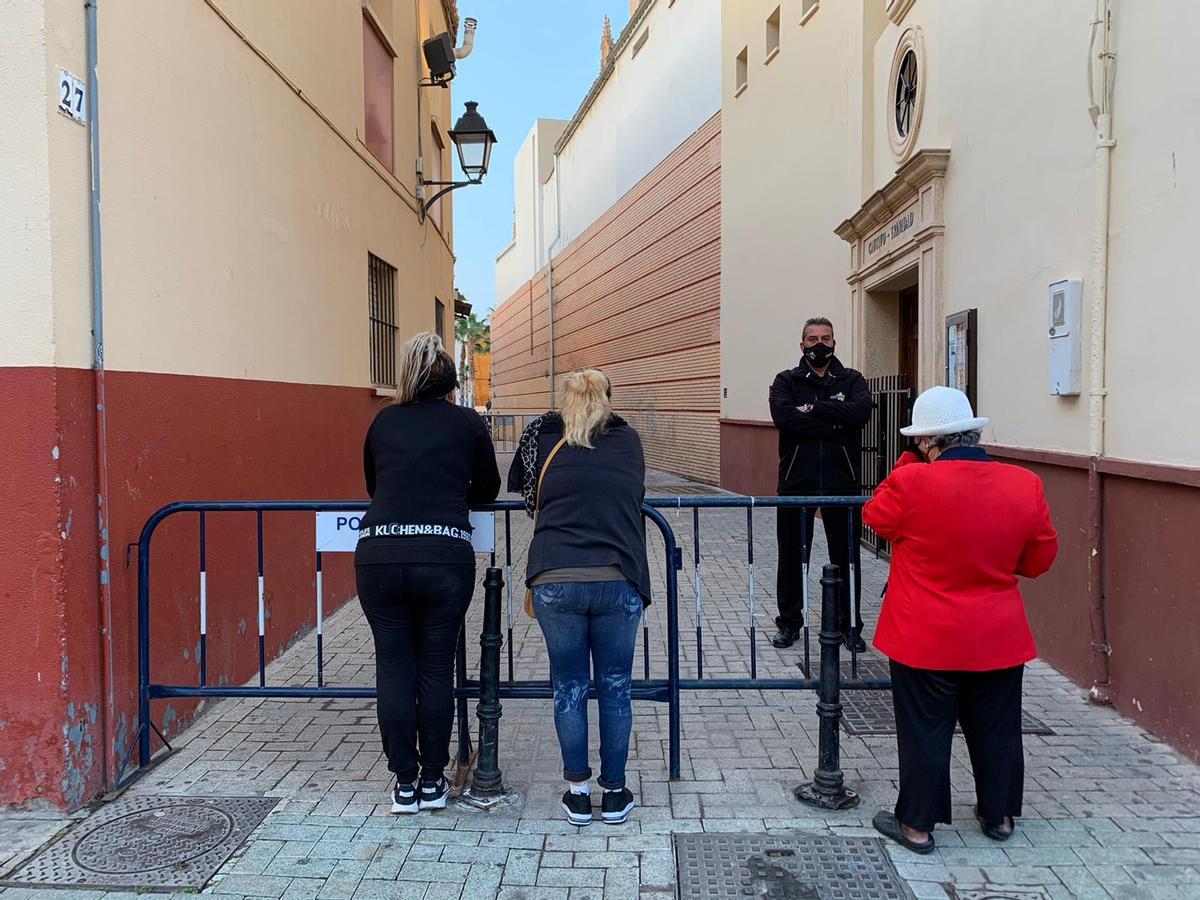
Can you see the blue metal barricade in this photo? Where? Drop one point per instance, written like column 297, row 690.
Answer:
column 666, row 690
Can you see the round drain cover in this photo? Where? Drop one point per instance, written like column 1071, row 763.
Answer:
column 153, row 839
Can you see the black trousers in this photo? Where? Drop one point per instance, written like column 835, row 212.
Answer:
column 794, row 532
column 416, row 612
column 988, row 706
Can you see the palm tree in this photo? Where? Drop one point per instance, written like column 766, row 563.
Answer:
column 474, row 335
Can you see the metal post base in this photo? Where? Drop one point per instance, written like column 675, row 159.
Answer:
column 810, row 795
column 487, row 801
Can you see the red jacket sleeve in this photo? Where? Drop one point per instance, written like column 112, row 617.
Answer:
column 1042, row 547
column 885, row 510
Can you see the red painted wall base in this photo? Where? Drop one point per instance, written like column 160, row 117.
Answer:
column 169, row 438
column 1151, row 577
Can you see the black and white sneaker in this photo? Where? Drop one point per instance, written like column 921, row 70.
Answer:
column 578, row 808
column 404, row 799
column 434, row 793
column 616, row 806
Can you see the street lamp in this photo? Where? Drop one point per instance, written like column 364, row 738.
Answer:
column 474, row 141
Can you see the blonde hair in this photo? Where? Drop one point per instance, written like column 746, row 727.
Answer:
column 423, row 360
column 586, row 407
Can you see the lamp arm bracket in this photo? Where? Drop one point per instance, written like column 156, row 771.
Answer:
column 450, row 186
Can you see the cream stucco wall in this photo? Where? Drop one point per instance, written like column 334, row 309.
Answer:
column 26, row 318
column 533, row 208
column 1006, row 94
column 649, row 105
column 239, row 200
column 1154, row 314
column 1018, row 189
column 791, row 170
column 651, row 102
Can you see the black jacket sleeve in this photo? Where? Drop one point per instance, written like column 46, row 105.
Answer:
column 854, row 411
column 369, row 462
column 788, row 418
column 485, row 476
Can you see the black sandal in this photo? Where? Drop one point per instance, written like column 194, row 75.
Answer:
column 995, row 832
column 888, row 825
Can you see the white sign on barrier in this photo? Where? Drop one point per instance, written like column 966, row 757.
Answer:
column 337, row 532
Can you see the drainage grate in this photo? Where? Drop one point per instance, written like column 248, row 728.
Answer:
column 870, row 712
column 785, row 867
column 996, row 892
column 147, row 842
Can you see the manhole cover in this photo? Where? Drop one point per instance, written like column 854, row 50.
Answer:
column 148, row 842
column 786, row 867
column 995, row 892
column 870, row 712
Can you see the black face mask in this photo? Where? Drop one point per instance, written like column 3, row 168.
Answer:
column 819, row 355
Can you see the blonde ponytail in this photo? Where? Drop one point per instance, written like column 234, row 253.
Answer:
column 586, row 407
column 423, row 362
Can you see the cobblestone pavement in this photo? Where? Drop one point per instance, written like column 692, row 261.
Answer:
column 1110, row 811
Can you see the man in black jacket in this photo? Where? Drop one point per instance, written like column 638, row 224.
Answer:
column 820, row 408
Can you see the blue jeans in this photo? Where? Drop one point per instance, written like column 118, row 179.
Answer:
column 597, row 620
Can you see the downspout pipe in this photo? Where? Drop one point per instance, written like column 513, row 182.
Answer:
column 550, row 250
column 1101, row 111
column 101, row 424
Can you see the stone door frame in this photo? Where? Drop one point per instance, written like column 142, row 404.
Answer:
column 898, row 228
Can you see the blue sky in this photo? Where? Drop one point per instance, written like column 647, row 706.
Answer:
column 532, row 58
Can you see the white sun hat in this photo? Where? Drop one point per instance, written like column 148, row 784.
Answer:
column 942, row 410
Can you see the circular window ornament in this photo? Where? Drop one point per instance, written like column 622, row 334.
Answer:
column 906, row 94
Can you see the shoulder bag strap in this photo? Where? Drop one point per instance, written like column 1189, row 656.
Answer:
column 537, row 497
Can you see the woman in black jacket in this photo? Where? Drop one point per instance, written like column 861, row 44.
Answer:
column 426, row 462
column 589, row 576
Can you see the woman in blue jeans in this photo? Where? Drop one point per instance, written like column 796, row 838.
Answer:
column 582, row 474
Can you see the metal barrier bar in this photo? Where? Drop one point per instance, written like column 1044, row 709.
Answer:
column 699, row 593
column 656, row 689
column 262, row 617
column 851, row 597
column 804, row 560
column 203, row 604
column 320, row 626
column 508, row 587
column 750, row 586
column 460, row 681
column 663, row 690
column 645, row 630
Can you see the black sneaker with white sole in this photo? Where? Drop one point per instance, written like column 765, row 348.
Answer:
column 434, row 793
column 616, row 806
column 404, row 799
column 578, row 808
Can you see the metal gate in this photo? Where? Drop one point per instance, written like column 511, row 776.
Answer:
column 882, row 441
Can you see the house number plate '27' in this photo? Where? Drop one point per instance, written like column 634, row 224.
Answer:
column 72, row 96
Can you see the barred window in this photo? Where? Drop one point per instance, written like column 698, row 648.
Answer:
column 381, row 296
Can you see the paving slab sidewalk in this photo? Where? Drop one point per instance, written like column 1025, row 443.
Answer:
column 1110, row 810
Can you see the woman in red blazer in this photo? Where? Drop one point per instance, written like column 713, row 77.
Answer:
column 953, row 622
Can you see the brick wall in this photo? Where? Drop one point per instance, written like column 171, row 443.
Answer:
column 638, row 295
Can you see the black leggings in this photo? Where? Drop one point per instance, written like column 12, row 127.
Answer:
column 988, row 706
column 416, row 612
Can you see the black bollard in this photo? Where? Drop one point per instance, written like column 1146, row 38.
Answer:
column 827, row 790
column 486, row 781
